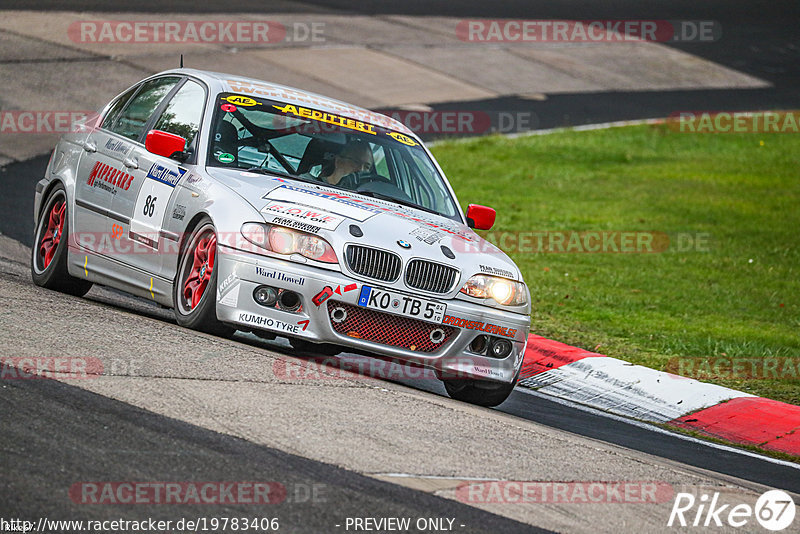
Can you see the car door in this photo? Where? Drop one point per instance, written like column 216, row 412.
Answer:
column 98, row 177
column 151, row 200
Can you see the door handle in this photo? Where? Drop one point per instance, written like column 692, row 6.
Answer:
column 131, row 163
column 89, row 146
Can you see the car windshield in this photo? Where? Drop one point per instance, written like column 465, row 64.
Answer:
column 293, row 141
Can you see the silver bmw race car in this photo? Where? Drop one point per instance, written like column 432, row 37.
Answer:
column 245, row 205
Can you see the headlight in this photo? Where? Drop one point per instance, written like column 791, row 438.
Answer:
column 287, row 241
column 505, row 292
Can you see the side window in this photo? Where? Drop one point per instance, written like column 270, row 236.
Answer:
column 183, row 113
column 134, row 117
column 379, row 157
column 116, row 108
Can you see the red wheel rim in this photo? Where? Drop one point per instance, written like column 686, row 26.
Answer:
column 203, row 257
column 53, row 233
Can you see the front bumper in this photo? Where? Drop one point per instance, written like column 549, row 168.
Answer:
column 240, row 273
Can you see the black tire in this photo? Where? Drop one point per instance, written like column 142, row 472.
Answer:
column 192, row 311
column 309, row 348
column 48, row 261
column 479, row 392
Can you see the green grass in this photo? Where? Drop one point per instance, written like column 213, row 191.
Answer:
column 735, row 298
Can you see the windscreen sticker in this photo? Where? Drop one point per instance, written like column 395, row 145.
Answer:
column 229, row 108
column 242, row 100
column 331, row 202
column 284, row 93
column 300, row 217
column 225, row 158
column 400, row 138
column 329, row 118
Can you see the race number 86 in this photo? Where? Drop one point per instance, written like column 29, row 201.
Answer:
column 149, row 205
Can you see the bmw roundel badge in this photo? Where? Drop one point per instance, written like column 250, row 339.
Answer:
column 404, row 244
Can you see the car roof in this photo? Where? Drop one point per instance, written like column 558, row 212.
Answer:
column 230, row 83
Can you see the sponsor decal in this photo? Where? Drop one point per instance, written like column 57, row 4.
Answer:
column 300, row 217
column 285, row 93
column 229, row 108
column 304, row 324
column 297, row 225
column 165, row 175
column 241, row 101
column 336, row 203
column 193, row 178
column 400, row 138
column 115, row 145
column 228, row 291
column 116, row 231
column 108, row 178
column 281, row 277
column 179, row 212
column 322, row 296
column 143, row 239
column 480, row 326
column 485, row 269
column 329, row 118
column 327, row 292
column 267, row 322
column 428, row 236
column 353, row 207
column 486, row 371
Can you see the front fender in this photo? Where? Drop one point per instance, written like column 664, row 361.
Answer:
column 200, row 196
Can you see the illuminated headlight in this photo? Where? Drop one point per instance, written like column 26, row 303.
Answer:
column 505, row 292
column 287, row 241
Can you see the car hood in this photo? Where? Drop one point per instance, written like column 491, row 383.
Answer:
column 340, row 216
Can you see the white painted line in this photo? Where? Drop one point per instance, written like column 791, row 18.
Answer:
column 579, row 128
column 653, row 428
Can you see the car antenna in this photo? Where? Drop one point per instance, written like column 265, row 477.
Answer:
column 181, row 60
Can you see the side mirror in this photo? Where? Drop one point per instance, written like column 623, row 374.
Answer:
column 480, row 217
column 165, row 144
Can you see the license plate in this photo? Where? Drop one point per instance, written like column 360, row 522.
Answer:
column 399, row 304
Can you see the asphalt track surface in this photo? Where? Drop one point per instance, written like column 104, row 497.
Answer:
column 75, row 435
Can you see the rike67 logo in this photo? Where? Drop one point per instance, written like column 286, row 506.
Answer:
column 774, row 510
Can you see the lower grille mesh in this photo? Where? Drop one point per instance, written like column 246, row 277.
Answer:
column 388, row 329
